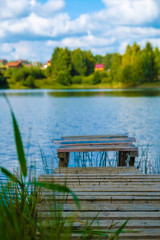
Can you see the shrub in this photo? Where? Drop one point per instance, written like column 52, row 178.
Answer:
column 29, row 82
column 77, row 80
column 64, row 78
column 96, row 78
column 20, row 74
column 37, row 73
column 103, row 74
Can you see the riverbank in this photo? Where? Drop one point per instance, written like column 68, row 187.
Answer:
column 48, row 83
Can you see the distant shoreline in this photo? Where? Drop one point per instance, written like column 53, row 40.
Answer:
column 41, row 84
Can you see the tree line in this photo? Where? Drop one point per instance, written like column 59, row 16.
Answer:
column 134, row 67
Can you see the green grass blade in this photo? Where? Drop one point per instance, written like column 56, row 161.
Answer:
column 11, row 176
column 58, row 188
column 18, row 141
column 119, row 230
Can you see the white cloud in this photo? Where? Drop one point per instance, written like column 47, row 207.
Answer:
column 17, row 8
column 87, row 41
column 119, row 23
column 25, row 50
column 12, row 9
column 48, row 8
column 129, row 11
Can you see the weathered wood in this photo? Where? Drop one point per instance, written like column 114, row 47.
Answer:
column 105, row 180
column 132, row 160
column 145, row 224
column 89, row 143
column 108, row 189
column 95, row 170
column 111, row 215
column 136, row 233
column 98, row 148
column 122, row 159
column 106, row 207
column 108, row 197
column 104, row 194
column 97, row 143
column 63, row 159
column 96, row 139
column 96, row 136
column 101, row 176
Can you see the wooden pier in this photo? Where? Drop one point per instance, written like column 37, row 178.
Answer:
column 112, row 195
column 97, row 143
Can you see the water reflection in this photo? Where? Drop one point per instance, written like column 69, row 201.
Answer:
column 87, row 92
column 47, row 114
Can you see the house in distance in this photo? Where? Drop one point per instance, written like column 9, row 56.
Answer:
column 99, row 67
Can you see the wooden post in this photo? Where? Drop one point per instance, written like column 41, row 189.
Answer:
column 131, row 162
column 63, row 159
column 122, row 159
column 132, row 157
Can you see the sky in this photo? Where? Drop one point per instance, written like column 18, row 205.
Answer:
column 31, row 29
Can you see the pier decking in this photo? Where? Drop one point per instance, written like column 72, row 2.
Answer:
column 112, row 195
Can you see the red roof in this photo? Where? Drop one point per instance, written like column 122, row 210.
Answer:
column 99, row 65
column 14, row 64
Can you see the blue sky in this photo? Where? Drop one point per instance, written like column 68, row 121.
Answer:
column 78, row 7
column 31, row 29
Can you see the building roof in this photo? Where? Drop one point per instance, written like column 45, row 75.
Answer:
column 3, row 61
column 99, row 65
column 14, row 64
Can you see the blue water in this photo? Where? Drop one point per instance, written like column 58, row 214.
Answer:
column 44, row 115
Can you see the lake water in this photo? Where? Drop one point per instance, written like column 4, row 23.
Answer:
column 44, row 115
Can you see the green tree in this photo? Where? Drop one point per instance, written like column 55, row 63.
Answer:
column 99, row 59
column 54, row 59
column 131, row 70
column 29, row 82
column 77, row 80
column 149, row 64
column 116, row 67
column 79, row 62
column 61, row 61
column 90, row 63
column 126, row 74
column 157, row 60
column 107, row 60
column 96, row 78
column 64, row 78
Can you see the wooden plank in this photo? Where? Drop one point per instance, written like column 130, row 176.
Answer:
column 96, row 143
column 99, row 176
column 103, row 199
column 135, row 234
column 112, row 215
column 111, row 193
column 99, row 180
column 59, row 141
column 105, row 207
column 96, row 136
column 112, row 198
column 146, row 224
column 98, row 148
column 99, row 170
column 114, row 188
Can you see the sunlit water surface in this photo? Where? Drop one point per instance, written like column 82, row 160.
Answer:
column 44, row 115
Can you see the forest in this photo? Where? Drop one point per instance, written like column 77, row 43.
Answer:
column 77, row 67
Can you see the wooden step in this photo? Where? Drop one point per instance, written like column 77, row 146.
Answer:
column 107, row 199
column 99, row 170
